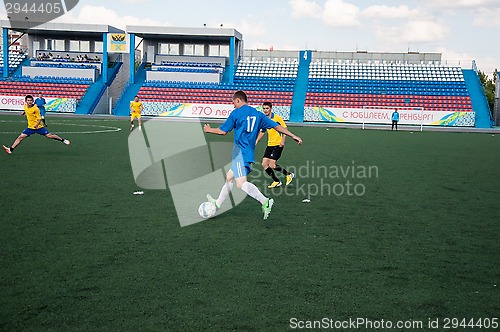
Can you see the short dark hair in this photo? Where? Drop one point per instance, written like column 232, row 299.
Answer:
column 240, row 95
column 267, row 103
column 136, row 96
column 28, row 97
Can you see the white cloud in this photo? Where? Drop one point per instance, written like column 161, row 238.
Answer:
column 250, row 28
column 460, row 4
column 247, row 27
column 102, row 15
column 387, row 12
column 487, row 18
column 335, row 13
column 417, row 31
column 485, row 64
column 340, row 14
column 304, row 8
column 454, row 58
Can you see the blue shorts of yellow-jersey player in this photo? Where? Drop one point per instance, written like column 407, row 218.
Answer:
column 40, row 131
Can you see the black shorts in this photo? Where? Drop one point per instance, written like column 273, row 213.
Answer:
column 273, row 152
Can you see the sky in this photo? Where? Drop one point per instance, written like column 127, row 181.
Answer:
column 462, row 30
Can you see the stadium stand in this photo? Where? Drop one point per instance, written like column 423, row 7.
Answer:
column 69, row 63
column 186, row 69
column 431, row 87
column 248, row 68
column 270, row 81
column 331, row 85
column 204, row 66
column 15, row 60
column 39, row 76
column 53, row 87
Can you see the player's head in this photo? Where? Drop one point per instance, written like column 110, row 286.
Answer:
column 40, row 94
column 239, row 99
column 29, row 100
column 267, row 108
column 136, row 98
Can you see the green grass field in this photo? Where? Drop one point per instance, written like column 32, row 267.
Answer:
column 79, row 252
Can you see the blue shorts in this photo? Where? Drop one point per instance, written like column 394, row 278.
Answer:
column 40, row 131
column 42, row 112
column 239, row 167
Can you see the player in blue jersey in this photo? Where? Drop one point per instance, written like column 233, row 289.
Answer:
column 395, row 119
column 246, row 122
column 40, row 103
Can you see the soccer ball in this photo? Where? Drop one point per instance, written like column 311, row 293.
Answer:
column 206, row 210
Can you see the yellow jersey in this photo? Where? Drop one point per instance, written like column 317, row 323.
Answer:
column 136, row 106
column 33, row 116
column 273, row 136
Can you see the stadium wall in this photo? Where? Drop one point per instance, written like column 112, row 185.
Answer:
column 204, row 111
column 61, row 105
column 383, row 116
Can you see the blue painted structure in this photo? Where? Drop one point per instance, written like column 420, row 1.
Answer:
column 478, row 99
column 300, row 89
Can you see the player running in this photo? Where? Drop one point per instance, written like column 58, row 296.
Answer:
column 136, row 108
column 247, row 122
column 274, row 149
column 35, row 126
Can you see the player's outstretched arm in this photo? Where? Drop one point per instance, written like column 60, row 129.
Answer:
column 289, row 133
column 210, row 130
column 282, row 144
column 259, row 137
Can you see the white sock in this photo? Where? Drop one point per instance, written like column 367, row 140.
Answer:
column 254, row 192
column 224, row 193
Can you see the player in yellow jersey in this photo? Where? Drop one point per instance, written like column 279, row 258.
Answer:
column 275, row 145
column 136, row 108
column 35, row 125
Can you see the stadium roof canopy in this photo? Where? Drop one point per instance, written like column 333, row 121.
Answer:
column 215, row 35
column 62, row 29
